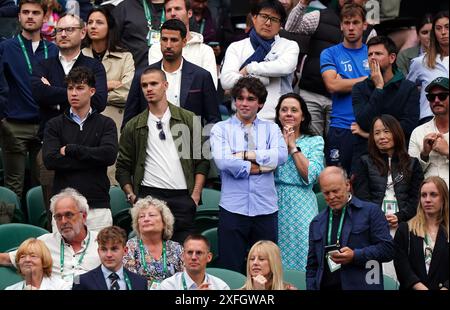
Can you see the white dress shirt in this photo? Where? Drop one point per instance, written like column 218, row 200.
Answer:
column 175, row 282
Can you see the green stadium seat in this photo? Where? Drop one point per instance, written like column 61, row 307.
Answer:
column 37, row 214
column 13, row 234
column 235, row 280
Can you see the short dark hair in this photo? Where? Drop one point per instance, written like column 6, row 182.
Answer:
column 149, row 70
column 197, row 237
column 253, row 85
column 187, row 4
column 42, row 3
column 305, row 123
column 426, row 19
column 387, row 42
column 274, row 5
column 112, row 233
column 176, row 25
column 81, row 75
column 351, row 10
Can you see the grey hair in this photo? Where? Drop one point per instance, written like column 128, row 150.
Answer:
column 69, row 192
column 161, row 206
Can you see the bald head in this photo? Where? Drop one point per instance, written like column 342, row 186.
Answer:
column 335, row 186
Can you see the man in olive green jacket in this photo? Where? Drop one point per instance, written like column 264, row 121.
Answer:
column 160, row 154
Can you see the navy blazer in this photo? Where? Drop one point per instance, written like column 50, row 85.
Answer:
column 366, row 232
column 95, row 280
column 50, row 97
column 197, row 94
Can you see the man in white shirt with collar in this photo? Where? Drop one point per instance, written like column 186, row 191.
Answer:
column 196, row 255
column 73, row 247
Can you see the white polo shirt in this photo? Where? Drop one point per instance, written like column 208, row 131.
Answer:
column 175, row 282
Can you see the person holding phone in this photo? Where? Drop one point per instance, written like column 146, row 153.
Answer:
column 344, row 237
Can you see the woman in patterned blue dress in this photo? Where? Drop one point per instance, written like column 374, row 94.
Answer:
column 295, row 179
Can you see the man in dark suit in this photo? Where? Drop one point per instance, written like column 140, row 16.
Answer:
column 348, row 241
column 191, row 87
column 110, row 275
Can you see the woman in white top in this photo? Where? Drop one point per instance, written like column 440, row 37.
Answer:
column 34, row 263
column 433, row 64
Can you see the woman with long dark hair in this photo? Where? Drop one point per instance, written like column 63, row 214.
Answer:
column 421, row 244
column 295, row 180
column 387, row 175
column 433, row 64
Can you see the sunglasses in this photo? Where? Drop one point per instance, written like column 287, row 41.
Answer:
column 162, row 135
column 441, row 96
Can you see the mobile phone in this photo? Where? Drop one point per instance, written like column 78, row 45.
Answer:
column 213, row 44
column 332, row 248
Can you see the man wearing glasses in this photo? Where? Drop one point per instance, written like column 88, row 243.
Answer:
column 79, row 145
column 264, row 55
column 50, row 89
column 429, row 142
column 73, row 247
column 160, row 154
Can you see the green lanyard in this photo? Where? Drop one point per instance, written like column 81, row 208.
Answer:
column 127, row 280
column 183, row 281
column 330, row 225
column 144, row 263
column 202, row 26
column 25, row 53
column 61, row 255
column 148, row 15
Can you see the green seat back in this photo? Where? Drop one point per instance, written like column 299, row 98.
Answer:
column 8, row 276
column 210, row 202
column 390, row 284
column 9, row 196
column 235, row 280
column 37, row 215
column 13, row 234
column 211, row 235
column 296, row 278
column 118, row 200
column 321, row 203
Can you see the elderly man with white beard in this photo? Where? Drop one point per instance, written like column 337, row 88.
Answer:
column 73, row 247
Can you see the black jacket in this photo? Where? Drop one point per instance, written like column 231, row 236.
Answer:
column 89, row 152
column 409, row 260
column 369, row 185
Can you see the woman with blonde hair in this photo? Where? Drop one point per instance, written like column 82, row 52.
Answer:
column 264, row 268
column 34, row 263
column 421, row 244
column 151, row 253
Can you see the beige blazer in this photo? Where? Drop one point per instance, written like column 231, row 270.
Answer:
column 119, row 66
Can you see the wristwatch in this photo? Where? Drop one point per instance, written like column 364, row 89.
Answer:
column 295, row 150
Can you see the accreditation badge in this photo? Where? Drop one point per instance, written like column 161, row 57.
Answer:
column 390, row 207
column 155, row 285
column 332, row 265
column 153, row 37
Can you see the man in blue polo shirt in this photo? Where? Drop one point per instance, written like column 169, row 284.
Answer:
column 342, row 66
column 19, row 112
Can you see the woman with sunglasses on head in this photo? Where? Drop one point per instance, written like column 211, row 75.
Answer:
column 433, row 63
column 421, row 244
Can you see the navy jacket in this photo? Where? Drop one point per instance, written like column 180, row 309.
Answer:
column 365, row 231
column 94, row 280
column 17, row 102
column 52, row 99
column 197, row 94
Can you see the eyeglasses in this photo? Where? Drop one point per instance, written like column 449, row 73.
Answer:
column 68, row 30
column 197, row 253
column 162, row 135
column 67, row 215
column 441, row 96
column 273, row 20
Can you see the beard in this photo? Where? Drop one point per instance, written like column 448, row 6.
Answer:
column 70, row 235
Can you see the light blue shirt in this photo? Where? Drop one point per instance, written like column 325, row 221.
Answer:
column 242, row 193
column 77, row 119
column 107, row 272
